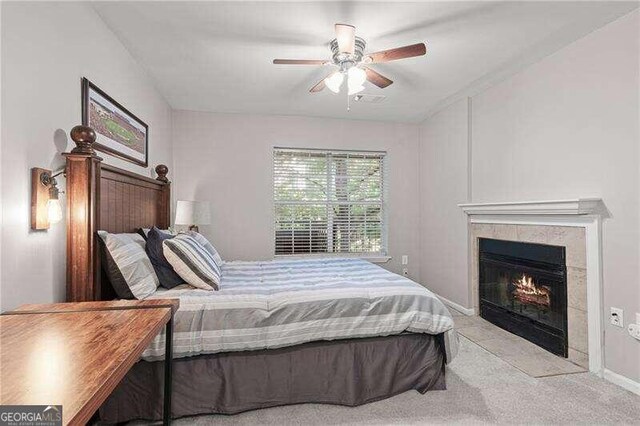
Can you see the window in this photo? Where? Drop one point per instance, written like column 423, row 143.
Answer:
column 329, row 202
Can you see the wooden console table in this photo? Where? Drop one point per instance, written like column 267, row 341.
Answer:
column 75, row 354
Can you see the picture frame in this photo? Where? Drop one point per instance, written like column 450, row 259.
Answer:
column 118, row 131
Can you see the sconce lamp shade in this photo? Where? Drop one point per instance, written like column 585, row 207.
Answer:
column 193, row 213
column 45, row 202
column 54, row 211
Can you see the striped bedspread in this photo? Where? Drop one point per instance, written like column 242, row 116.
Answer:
column 279, row 303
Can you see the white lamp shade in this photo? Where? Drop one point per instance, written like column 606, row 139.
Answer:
column 334, row 81
column 356, row 77
column 193, row 213
column 54, row 211
column 355, row 80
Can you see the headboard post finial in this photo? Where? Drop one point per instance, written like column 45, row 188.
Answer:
column 162, row 171
column 84, row 137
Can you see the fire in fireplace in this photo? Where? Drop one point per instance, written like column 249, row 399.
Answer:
column 523, row 289
column 527, row 292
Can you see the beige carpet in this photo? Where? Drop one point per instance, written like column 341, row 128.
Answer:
column 482, row 388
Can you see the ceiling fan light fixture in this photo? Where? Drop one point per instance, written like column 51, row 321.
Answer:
column 356, row 77
column 355, row 80
column 334, row 81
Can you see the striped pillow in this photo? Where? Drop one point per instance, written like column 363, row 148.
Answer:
column 192, row 262
column 127, row 265
column 208, row 246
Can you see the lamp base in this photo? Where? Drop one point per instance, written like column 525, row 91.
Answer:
column 194, row 228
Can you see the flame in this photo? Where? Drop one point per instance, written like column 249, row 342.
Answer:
column 527, row 292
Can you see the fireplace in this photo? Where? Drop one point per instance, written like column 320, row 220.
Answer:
column 523, row 289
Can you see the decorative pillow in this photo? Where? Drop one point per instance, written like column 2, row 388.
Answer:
column 127, row 265
column 144, row 232
column 192, row 262
column 208, row 246
column 167, row 277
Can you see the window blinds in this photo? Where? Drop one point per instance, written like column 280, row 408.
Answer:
column 328, row 202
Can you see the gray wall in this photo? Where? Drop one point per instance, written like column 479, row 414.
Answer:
column 565, row 127
column 46, row 50
column 227, row 159
column 443, row 184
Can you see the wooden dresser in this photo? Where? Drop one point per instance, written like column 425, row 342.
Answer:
column 74, row 354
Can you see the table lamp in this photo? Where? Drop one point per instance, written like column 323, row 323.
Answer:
column 193, row 213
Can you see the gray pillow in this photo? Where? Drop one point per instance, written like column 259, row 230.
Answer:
column 127, row 265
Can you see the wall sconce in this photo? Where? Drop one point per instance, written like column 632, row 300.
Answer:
column 45, row 199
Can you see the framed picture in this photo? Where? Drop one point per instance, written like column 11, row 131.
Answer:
column 118, row 131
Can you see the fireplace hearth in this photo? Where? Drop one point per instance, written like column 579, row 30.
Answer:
column 523, row 289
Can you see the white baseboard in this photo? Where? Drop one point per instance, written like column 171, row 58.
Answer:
column 467, row 311
column 622, row 381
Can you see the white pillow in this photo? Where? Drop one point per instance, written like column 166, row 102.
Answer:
column 192, row 262
column 128, row 266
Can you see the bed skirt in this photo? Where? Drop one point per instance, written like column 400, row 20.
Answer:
column 346, row 372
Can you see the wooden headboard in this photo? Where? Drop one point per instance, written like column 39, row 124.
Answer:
column 103, row 197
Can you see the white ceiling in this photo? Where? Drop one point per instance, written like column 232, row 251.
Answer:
column 216, row 56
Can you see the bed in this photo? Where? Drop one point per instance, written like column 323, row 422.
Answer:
column 341, row 331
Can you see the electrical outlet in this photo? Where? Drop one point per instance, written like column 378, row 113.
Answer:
column 405, row 259
column 617, row 317
column 634, row 331
column 405, row 272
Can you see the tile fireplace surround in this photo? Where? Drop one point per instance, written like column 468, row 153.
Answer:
column 574, row 224
column 573, row 238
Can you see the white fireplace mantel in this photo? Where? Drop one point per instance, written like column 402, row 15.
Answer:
column 587, row 213
column 574, row 207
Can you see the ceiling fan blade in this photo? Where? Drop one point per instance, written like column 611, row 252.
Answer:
column 318, row 87
column 378, row 79
column 397, row 53
column 299, row 61
column 346, row 36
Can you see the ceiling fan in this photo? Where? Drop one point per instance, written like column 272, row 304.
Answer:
column 349, row 57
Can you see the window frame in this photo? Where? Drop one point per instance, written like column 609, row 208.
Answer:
column 376, row 257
